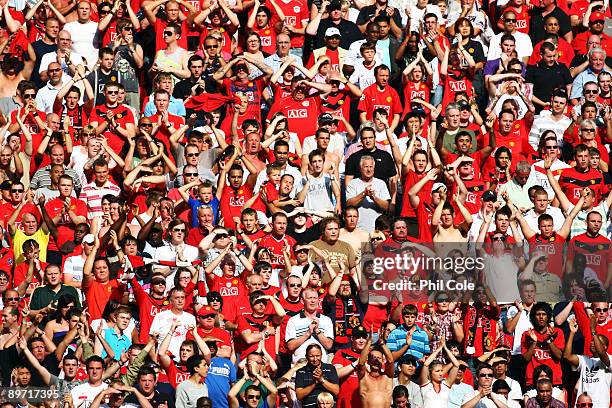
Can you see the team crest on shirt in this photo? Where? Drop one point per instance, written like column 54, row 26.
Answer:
column 119, row 116
column 341, row 102
column 266, row 32
column 389, row 99
column 235, row 281
column 296, row 9
column 306, row 104
column 113, row 78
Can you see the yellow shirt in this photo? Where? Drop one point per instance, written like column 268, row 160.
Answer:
column 39, row 236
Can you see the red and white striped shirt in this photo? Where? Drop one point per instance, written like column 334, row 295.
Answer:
column 92, row 195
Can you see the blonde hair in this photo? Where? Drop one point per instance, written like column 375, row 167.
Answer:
column 325, row 397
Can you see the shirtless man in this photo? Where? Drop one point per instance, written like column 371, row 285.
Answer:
column 332, row 160
column 375, row 383
column 443, row 222
column 11, row 76
column 252, row 148
column 355, row 237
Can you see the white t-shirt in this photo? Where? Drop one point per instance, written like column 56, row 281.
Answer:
column 83, row 40
column 84, row 394
column 538, row 174
column 368, row 210
column 297, row 325
column 501, row 274
column 486, row 402
column 544, row 122
column 521, row 327
column 433, row 399
column 595, row 379
column 163, row 321
column 363, row 77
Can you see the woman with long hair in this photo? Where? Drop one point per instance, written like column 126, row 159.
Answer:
column 57, row 327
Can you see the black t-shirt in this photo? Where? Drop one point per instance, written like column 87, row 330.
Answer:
column 40, row 48
column 157, row 399
column 546, row 79
column 312, row 233
column 99, row 79
column 349, row 33
column 536, row 26
column 366, row 13
column 384, row 168
column 303, row 378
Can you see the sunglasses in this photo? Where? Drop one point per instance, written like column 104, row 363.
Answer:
column 499, row 238
column 161, row 282
column 584, row 404
column 207, row 316
column 190, row 174
column 598, row 22
column 168, row 33
column 601, row 310
column 510, row 20
column 210, row 47
column 113, row 92
column 485, row 375
column 12, row 299
column 17, row 190
column 301, row 251
column 128, row 29
column 588, row 130
column 215, row 299
column 222, row 236
column 178, row 230
column 294, row 285
column 551, row 147
column 590, row 91
column 252, row 397
column 192, row 154
column 29, row 96
column 375, row 239
column 441, row 300
column 146, row 125
column 54, row 70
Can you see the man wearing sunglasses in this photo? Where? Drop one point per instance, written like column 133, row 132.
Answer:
column 484, row 396
column 113, row 120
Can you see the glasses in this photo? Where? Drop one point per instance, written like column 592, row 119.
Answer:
column 54, row 70
column 178, row 230
column 588, row 130
column 146, row 125
column 215, row 300
column 168, row 33
column 510, row 20
column 161, row 282
column 551, row 147
column 190, row 174
column 598, row 22
column 192, row 154
column 301, row 251
column 211, row 316
column 499, row 238
column 485, row 375
column 252, row 397
column 128, row 28
column 29, row 96
column 113, row 92
column 590, row 91
column 442, row 300
column 584, row 404
column 211, row 47
column 601, row 310
column 12, row 299
column 294, row 285
column 16, row 190
column 221, row 236
column 376, row 239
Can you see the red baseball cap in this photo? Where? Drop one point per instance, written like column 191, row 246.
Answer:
column 596, row 16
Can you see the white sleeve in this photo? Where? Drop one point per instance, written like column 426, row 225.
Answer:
column 290, row 333
column 351, row 190
column 328, row 327
column 383, row 191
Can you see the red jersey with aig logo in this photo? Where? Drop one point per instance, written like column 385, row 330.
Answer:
column 542, row 354
column 276, row 246
column 553, row 247
column 597, row 250
column 453, row 83
column 268, row 38
column 413, row 90
column 231, row 289
column 232, row 202
column 373, row 98
column 301, row 115
column 295, row 12
column 148, row 308
column 573, row 181
column 338, row 104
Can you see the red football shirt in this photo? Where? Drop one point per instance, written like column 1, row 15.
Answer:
column 373, row 98
column 123, row 116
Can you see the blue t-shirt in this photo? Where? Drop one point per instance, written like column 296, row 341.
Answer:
column 195, row 204
column 221, row 375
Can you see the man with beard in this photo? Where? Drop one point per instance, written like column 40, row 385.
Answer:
column 375, row 383
column 542, row 344
column 344, row 306
column 345, row 361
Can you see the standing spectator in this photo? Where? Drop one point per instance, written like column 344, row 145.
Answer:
column 315, row 377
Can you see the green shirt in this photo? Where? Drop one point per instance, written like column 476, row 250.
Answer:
column 44, row 295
